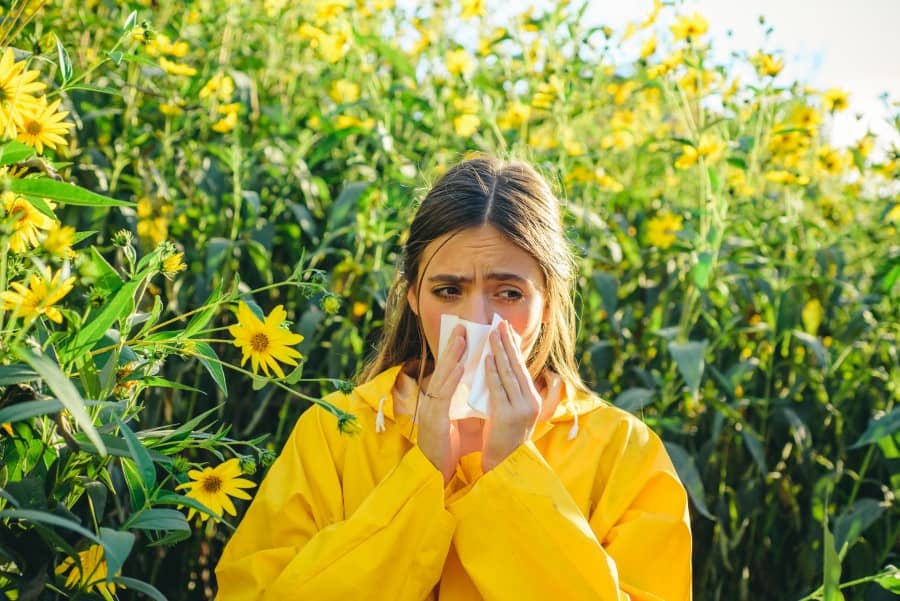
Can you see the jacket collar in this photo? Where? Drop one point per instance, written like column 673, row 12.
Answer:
column 378, row 394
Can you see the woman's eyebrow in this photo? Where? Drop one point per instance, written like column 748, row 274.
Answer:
column 494, row 275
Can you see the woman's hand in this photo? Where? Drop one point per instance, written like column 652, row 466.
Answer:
column 438, row 437
column 514, row 403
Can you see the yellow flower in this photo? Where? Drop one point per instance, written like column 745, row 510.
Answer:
column 894, row 214
column 17, row 89
column 44, row 291
column 648, row 47
column 154, row 229
column 344, row 91
column 214, row 487
column 171, row 109
column 220, row 86
column 92, row 573
column 806, row 117
column 173, row 68
column 812, row 316
column 689, row 27
column 651, row 18
column 360, row 309
column 459, row 62
column 514, row 116
column 662, row 230
column 27, row 221
column 829, row 159
column 265, row 343
column 466, row 125
column 473, row 8
column 333, row 46
column 688, row 157
column 59, row 241
column 782, row 176
column 547, row 93
column 226, row 123
column 766, row 64
column 173, row 264
column 329, row 10
column 331, row 304
column 835, row 100
column 44, row 126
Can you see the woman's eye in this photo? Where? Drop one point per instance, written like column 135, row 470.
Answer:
column 446, row 291
column 511, row 294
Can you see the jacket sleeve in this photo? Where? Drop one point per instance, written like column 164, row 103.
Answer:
column 295, row 542
column 521, row 535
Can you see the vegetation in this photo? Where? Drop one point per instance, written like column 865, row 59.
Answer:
column 202, row 208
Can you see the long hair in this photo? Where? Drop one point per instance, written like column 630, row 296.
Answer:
column 515, row 199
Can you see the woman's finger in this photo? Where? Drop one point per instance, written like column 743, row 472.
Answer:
column 517, row 363
column 496, row 392
column 504, row 367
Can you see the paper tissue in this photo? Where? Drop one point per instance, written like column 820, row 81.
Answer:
column 471, row 397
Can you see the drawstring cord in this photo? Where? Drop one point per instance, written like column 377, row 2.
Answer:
column 379, row 419
column 573, row 431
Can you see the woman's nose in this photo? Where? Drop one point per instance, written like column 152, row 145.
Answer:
column 477, row 310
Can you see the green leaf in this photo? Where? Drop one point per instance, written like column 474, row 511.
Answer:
column 118, row 546
column 832, row 577
column 16, row 374
column 117, row 447
column 689, row 476
column 890, row 579
column 209, row 359
column 44, row 187
column 702, row 270
column 689, row 358
column 130, row 22
column 140, row 586
column 43, row 517
column 814, row 344
column 751, row 440
column 137, row 494
column 65, row 68
column 158, row 382
column 14, row 152
column 738, row 162
column 64, row 390
column 166, row 497
column 634, row 399
column 395, row 57
column 886, row 425
column 118, row 307
column 107, row 280
column 201, row 318
column 29, row 409
column 853, row 522
column 145, row 468
column 159, row 519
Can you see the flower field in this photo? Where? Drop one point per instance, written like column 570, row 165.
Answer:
column 202, row 208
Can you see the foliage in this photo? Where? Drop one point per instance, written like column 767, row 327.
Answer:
column 739, row 274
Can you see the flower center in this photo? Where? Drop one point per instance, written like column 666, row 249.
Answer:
column 259, row 342
column 212, row 484
column 34, row 128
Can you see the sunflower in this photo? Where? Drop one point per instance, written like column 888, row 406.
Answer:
column 213, row 487
column 173, row 264
column 662, row 230
column 44, row 291
column 44, row 126
column 91, row 574
column 27, row 221
column 265, row 343
column 17, row 89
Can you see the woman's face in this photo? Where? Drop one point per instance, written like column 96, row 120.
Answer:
column 477, row 273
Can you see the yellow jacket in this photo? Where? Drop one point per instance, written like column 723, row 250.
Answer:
column 590, row 508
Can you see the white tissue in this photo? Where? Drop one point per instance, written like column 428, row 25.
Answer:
column 471, row 397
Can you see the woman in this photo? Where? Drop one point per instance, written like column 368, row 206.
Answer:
column 556, row 495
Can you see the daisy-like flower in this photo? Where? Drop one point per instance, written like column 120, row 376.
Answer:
column 661, row 230
column 59, row 241
column 173, row 264
column 44, row 126
column 91, row 575
column 689, row 27
column 44, row 290
column 17, row 89
column 214, row 487
column 267, row 342
column 835, row 100
column 27, row 221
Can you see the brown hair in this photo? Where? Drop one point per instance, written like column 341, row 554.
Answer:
column 515, row 199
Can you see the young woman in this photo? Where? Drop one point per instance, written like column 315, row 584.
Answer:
column 556, row 495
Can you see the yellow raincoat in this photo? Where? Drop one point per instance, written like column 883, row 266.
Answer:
column 590, row 508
